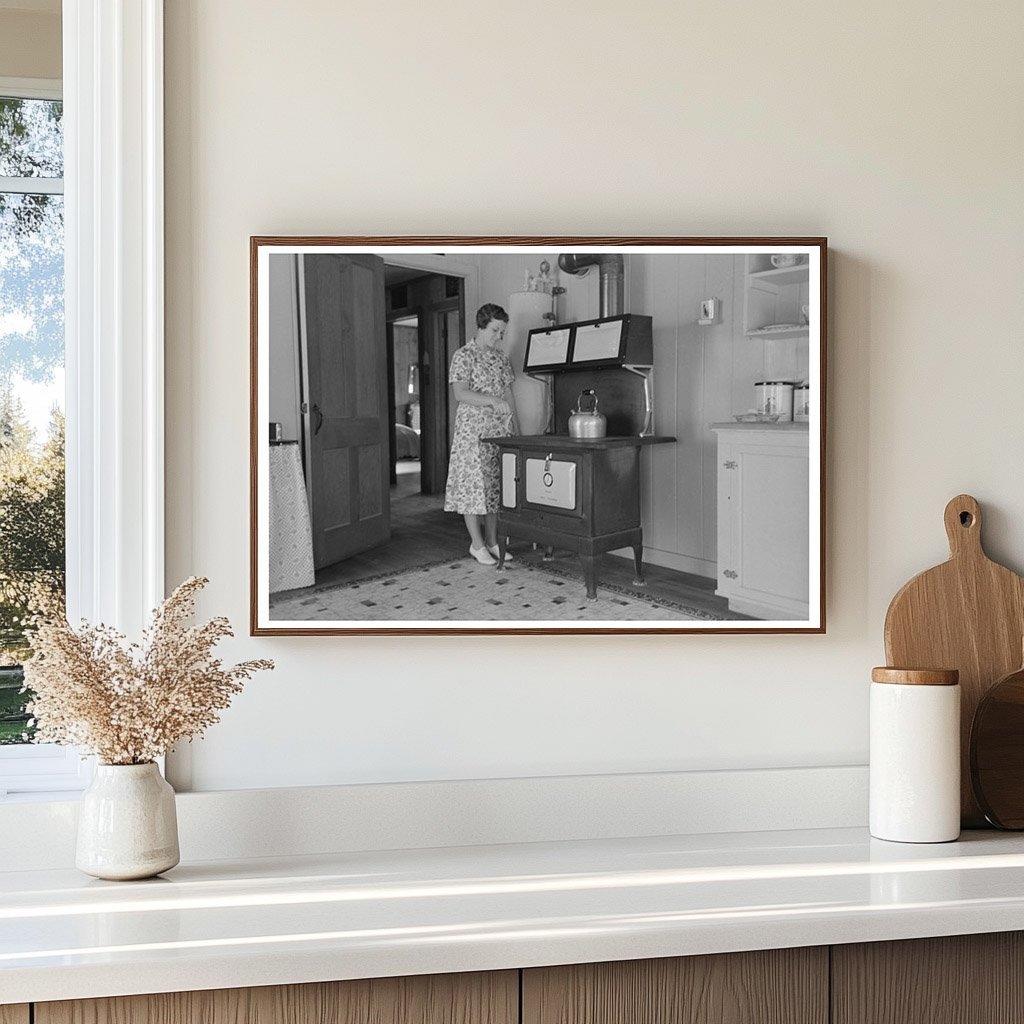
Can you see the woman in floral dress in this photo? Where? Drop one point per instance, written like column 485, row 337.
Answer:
column 481, row 379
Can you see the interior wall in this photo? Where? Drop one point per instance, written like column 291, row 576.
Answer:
column 894, row 129
column 30, row 44
column 702, row 375
column 285, row 393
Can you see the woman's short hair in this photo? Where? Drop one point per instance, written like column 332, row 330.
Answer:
column 488, row 312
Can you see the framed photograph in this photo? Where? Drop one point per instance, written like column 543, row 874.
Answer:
column 537, row 435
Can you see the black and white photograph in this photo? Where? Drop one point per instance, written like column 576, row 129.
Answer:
column 537, row 435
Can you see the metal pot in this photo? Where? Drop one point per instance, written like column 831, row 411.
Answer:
column 587, row 424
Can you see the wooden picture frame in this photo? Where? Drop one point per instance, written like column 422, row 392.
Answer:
column 702, row 509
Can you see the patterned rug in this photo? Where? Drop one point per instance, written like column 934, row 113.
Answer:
column 465, row 590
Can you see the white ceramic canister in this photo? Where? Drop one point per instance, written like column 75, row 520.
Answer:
column 774, row 398
column 915, row 755
column 801, row 403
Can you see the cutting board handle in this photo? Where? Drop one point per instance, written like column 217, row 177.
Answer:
column 963, row 526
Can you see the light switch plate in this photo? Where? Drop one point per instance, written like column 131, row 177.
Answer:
column 708, row 312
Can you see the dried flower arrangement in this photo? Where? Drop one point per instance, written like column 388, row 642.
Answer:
column 129, row 704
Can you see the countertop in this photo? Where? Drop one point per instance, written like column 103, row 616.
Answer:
column 792, row 427
column 223, row 924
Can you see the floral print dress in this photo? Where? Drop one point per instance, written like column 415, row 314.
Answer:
column 474, row 472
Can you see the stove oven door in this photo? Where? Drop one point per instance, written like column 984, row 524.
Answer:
column 551, row 483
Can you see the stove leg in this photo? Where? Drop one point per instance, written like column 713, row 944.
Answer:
column 549, row 553
column 503, row 539
column 590, row 575
column 638, row 564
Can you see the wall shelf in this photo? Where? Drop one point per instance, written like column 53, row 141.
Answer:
column 774, row 296
column 782, row 275
column 778, row 332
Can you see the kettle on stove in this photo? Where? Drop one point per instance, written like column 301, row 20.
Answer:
column 587, row 424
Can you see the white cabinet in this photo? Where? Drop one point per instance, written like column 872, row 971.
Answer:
column 763, row 519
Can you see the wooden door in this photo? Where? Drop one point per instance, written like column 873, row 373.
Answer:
column 17, row 1014
column 961, row 979
column 775, row 986
column 347, row 395
column 441, row 340
column 481, row 998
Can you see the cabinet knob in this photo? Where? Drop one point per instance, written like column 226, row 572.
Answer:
column 730, row 575
column 730, row 464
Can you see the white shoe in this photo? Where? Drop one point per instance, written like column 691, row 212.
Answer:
column 494, row 551
column 482, row 555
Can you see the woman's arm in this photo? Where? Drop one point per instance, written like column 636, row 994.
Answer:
column 463, row 393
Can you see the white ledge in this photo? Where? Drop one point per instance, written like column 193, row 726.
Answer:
column 355, row 915
column 242, row 824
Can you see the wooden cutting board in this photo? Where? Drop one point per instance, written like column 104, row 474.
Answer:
column 967, row 614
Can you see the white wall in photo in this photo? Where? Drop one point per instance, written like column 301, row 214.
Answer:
column 283, row 378
column 892, row 129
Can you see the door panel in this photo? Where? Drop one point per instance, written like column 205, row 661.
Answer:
column 962, row 979
column 370, row 457
column 337, row 489
column 347, row 382
column 773, row 524
column 14, row 1014
column 778, row 986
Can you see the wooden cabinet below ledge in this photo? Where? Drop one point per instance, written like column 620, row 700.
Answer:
column 775, row 986
column 962, row 979
column 479, row 998
column 971, row 979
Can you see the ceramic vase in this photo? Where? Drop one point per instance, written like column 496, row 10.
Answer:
column 127, row 825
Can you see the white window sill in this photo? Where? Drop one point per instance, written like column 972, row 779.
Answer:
column 291, row 920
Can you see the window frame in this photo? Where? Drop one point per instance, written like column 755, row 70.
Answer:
column 112, row 89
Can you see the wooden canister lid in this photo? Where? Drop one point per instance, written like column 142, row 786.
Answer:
column 916, row 676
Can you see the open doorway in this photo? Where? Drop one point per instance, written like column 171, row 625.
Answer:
column 425, row 327
column 405, row 373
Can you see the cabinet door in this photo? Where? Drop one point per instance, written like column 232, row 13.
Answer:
column 962, row 979
column 726, row 516
column 482, row 998
column 14, row 1014
column 771, row 526
column 778, row 986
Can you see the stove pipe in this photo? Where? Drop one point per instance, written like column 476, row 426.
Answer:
column 612, row 269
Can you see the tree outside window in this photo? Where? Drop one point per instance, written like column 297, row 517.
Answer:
column 31, row 386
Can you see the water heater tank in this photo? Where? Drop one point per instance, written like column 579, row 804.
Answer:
column 526, row 311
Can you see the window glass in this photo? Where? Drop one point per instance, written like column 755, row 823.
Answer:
column 31, row 138
column 31, row 386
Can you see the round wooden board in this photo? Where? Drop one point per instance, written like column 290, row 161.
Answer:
column 997, row 752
